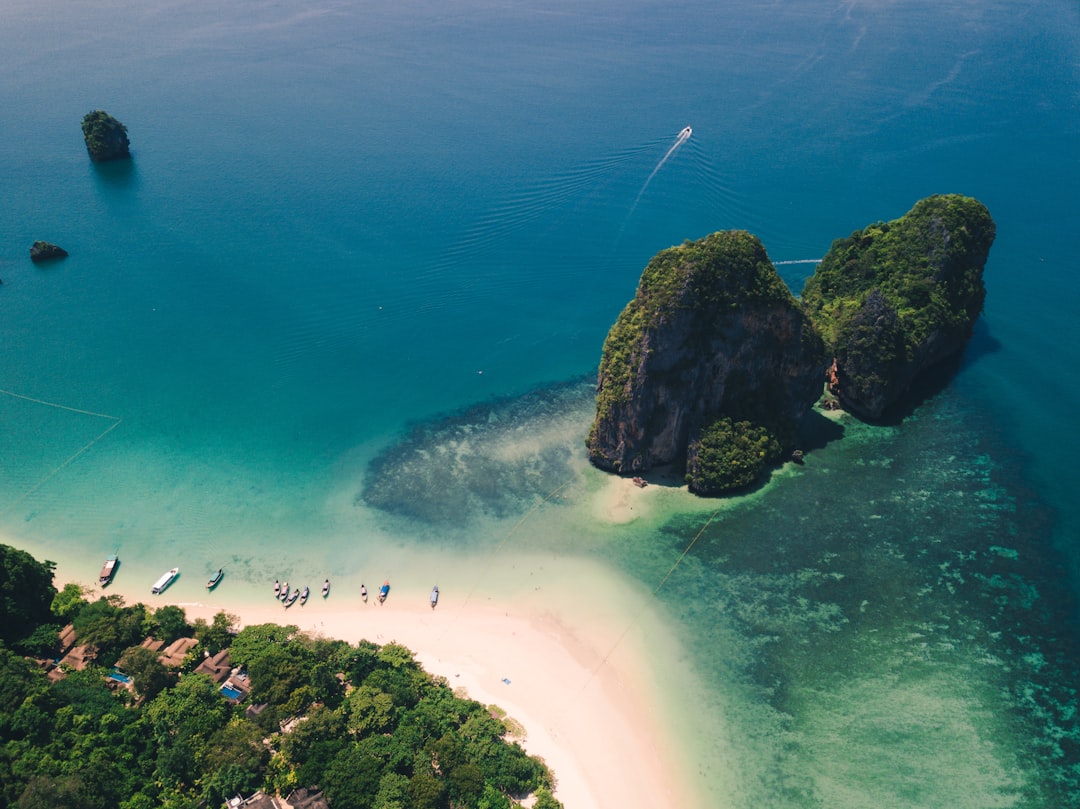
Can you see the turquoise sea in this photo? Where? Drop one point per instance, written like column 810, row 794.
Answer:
column 344, row 306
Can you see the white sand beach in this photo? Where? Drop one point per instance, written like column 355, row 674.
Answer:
column 575, row 675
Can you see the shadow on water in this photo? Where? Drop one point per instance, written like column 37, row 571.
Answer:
column 818, row 431
column 116, row 175
column 981, row 344
column 938, row 377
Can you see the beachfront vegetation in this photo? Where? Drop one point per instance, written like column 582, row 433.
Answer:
column 364, row 723
column 26, row 595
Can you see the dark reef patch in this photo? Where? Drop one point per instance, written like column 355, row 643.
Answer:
column 495, row 459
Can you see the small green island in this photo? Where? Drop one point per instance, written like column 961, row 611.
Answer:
column 109, row 706
column 106, row 138
column 714, row 363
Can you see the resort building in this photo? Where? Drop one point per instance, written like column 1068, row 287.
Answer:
column 173, row 655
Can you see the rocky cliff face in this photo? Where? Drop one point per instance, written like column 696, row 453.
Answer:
column 712, row 332
column 897, row 297
column 46, row 251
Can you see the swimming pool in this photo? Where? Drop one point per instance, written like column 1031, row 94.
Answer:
column 232, row 693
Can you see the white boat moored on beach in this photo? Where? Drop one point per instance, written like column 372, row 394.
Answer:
column 165, row 580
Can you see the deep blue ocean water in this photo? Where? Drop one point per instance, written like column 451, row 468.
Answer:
column 365, row 254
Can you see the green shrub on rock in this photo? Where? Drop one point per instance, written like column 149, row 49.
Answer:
column 730, row 455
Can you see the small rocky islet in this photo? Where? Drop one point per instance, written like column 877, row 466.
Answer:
column 46, row 251
column 106, row 138
column 714, row 363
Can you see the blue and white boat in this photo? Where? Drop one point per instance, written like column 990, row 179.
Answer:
column 166, row 579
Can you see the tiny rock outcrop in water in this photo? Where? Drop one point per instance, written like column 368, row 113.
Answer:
column 45, row 251
column 897, row 297
column 712, row 364
column 106, row 138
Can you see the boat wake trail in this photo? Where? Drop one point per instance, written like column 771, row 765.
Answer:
column 682, row 138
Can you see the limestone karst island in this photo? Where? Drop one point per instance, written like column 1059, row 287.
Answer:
column 106, row 138
column 714, row 363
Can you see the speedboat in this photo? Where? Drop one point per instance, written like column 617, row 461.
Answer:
column 165, row 580
column 686, row 132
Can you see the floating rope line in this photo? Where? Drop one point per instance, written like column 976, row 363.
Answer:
column 635, row 621
column 116, row 421
column 686, row 550
column 59, row 406
column 536, row 506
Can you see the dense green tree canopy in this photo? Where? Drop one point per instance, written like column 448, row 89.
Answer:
column 26, row 594
column 731, row 455
column 926, row 266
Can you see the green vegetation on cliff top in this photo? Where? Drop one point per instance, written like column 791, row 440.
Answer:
column 927, row 266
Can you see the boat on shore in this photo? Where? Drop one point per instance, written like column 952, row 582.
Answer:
column 108, row 570
column 326, row 588
column 166, row 579
column 215, row 579
column 277, row 589
column 304, row 595
column 384, row 591
column 434, row 596
column 295, row 594
column 284, row 594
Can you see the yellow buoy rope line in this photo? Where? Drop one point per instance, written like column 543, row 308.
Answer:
column 116, row 421
column 502, row 542
column 637, row 619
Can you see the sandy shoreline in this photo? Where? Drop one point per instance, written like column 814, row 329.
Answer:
column 580, row 716
column 572, row 669
column 572, row 651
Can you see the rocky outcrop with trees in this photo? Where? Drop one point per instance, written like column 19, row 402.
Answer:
column 106, row 138
column 713, row 348
column 713, row 363
column 895, row 298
